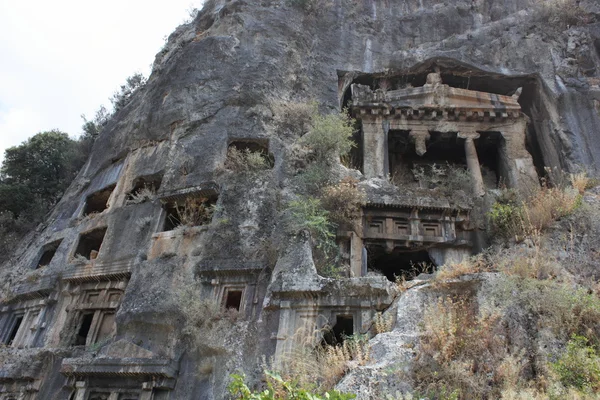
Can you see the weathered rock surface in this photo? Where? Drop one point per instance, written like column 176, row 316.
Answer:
column 219, row 79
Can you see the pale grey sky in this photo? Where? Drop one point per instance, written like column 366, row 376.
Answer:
column 63, row 58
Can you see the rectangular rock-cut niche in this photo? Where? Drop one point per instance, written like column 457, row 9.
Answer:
column 342, row 329
column 90, row 243
column 398, row 263
column 188, row 211
column 247, row 154
column 15, row 324
column 144, row 188
column 20, row 323
column 233, row 298
column 94, row 313
column 444, row 150
column 98, row 201
column 47, row 253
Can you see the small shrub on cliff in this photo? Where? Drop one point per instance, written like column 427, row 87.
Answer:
column 195, row 211
column 506, row 220
column 330, row 135
column 147, row 193
column 123, row 96
column 344, row 201
column 206, row 323
column 294, row 117
column 383, row 322
column 308, row 213
column 246, row 160
column 315, row 176
column 535, row 214
column 580, row 181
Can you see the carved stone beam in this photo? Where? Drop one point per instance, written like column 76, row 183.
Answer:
column 420, row 138
column 473, row 161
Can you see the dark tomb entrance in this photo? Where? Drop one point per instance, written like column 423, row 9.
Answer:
column 399, row 264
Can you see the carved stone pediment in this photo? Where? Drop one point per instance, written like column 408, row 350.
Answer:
column 435, row 97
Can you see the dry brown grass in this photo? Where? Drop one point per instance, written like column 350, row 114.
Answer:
column 195, row 211
column 293, row 117
column 529, row 218
column 246, row 160
column 459, row 350
column 147, row 193
column 312, row 364
column 344, row 201
column 383, row 322
column 546, row 206
column 471, row 265
column 534, row 262
column 580, row 181
column 207, row 324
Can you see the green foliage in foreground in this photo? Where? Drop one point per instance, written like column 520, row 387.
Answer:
column 579, row 367
column 33, row 177
column 279, row 389
column 308, row 213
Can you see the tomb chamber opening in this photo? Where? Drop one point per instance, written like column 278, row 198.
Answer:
column 399, row 264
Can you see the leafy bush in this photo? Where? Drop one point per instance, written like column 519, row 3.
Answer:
column 308, row 213
column 246, row 160
column 344, row 202
column 579, row 367
column 330, row 135
column 506, row 220
column 279, row 389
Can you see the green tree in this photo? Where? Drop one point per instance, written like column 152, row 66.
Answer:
column 92, row 128
column 38, row 171
column 33, row 177
column 123, row 96
column 43, row 166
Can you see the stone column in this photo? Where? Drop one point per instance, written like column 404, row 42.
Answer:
column 473, row 162
column 284, row 332
column 420, row 138
column 80, row 390
column 356, row 253
column 374, row 148
column 517, row 168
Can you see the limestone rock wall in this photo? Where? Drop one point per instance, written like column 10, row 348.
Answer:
column 218, row 79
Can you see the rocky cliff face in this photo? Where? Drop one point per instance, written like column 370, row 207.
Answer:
column 109, row 315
